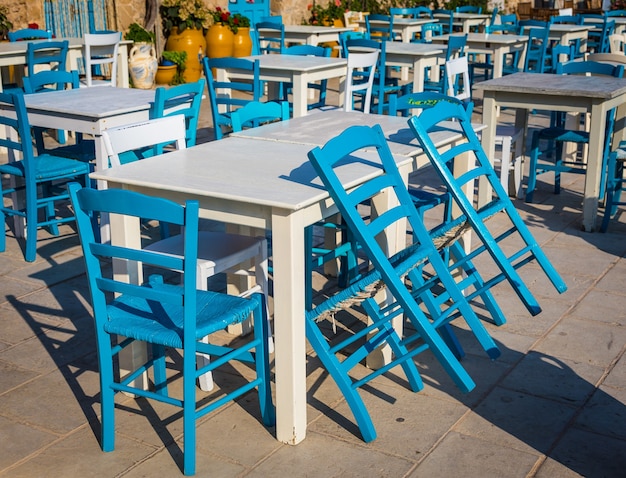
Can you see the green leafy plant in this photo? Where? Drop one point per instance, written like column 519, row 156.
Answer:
column 139, row 34
column 184, row 14
column 241, row 21
column 179, row 58
column 5, row 25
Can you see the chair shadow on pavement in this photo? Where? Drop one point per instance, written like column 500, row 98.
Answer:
column 532, row 403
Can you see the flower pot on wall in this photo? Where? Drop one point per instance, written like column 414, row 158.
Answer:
column 219, row 41
column 242, row 43
column 142, row 65
column 192, row 41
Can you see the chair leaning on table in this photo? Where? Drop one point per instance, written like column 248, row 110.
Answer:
column 410, row 263
column 218, row 252
column 437, row 119
column 615, row 185
column 164, row 315
column 39, row 177
column 321, row 86
column 507, row 138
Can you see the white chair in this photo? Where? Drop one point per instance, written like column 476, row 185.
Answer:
column 218, row 252
column 507, row 137
column 617, row 43
column 101, row 49
column 351, row 20
column 362, row 64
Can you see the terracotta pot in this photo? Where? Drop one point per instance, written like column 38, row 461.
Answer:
column 242, row 43
column 165, row 74
column 192, row 41
column 219, row 41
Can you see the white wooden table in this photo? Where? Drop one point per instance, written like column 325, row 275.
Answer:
column 267, row 184
column 14, row 54
column 405, row 27
column 564, row 34
column 572, row 93
column 492, row 44
column 89, row 111
column 466, row 20
column 299, row 70
column 313, row 34
column 414, row 55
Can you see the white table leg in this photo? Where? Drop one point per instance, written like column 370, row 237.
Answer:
column 594, row 167
column 299, row 95
column 289, row 328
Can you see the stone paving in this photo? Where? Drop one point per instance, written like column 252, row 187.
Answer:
column 553, row 405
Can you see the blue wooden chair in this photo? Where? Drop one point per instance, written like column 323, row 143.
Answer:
column 256, row 113
column 430, row 30
column 536, row 59
column 447, row 20
column 41, row 179
column 455, row 48
column 51, row 80
column 164, row 314
column 352, row 35
column 615, row 185
column 550, row 159
column 30, row 34
column 183, row 99
column 469, row 9
column 270, row 37
column 384, row 85
column 481, row 170
column 598, row 37
column 508, row 25
column 388, row 272
column 223, row 104
column 321, row 87
column 423, row 200
column 379, row 31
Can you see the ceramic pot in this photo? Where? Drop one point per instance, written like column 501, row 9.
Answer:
column 142, row 65
column 242, row 43
column 219, row 41
column 165, row 74
column 192, row 41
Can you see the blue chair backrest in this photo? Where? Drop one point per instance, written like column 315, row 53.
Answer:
column 445, row 22
column 272, row 38
column 469, row 9
column 406, row 104
column 598, row 37
column 566, row 19
column 181, row 99
column 53, row 53
column 430, row 30
column 456, row 46
column 308, row 50
column 380, row 31
column 525, row 25
column 22, row 144
column 30, row 34
column 51, row 80
column 345, row 36
column 256, row 112
column 592, row 67
column 251, row 89
column 615, row 13
column 423, row 12
column 536, row 50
